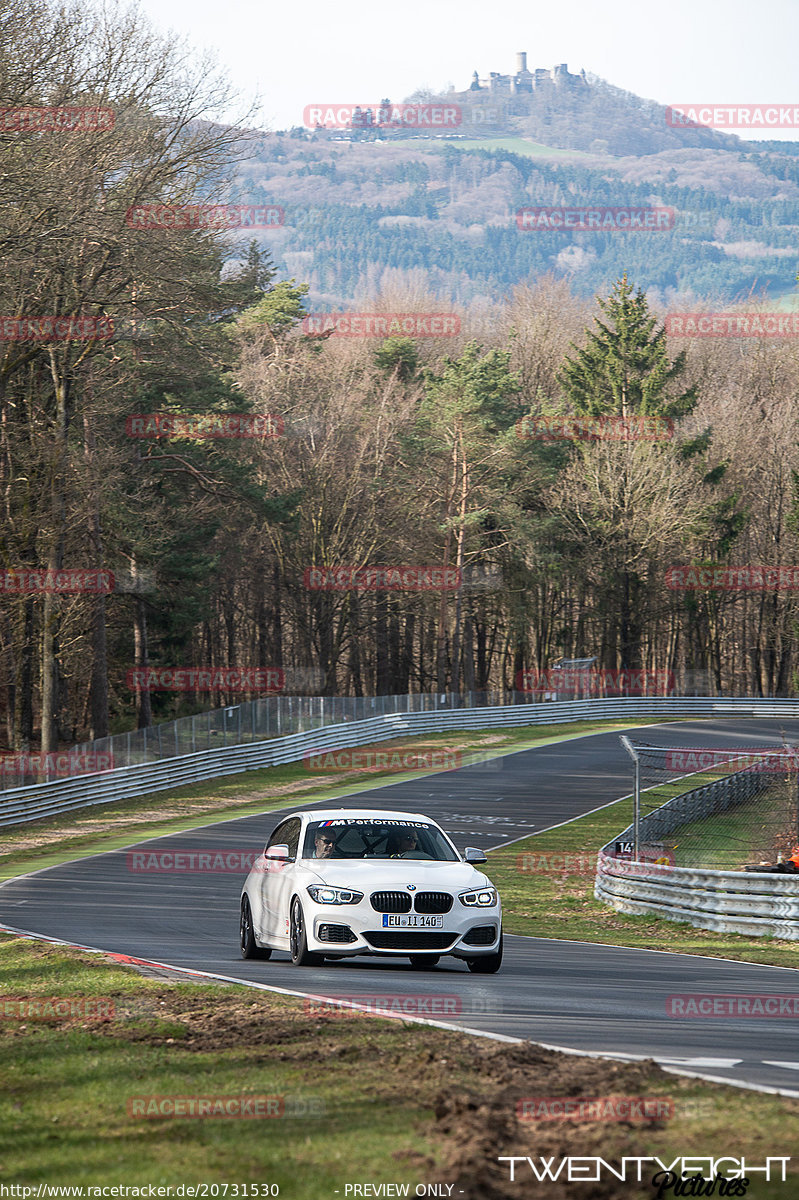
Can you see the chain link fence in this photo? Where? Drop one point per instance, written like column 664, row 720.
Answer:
column 719, row 809
column 281, row 715
column 234, row 725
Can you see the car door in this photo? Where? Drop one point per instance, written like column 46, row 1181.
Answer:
column 277, row 881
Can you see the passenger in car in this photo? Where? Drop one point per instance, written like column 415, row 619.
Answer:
column 402, row 843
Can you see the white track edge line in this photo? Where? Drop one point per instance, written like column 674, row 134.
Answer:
column 134, row 960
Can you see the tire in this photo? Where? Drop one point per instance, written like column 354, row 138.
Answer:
column 423, row 962
column 489, row 964
column 301, row 956
column 247, row 943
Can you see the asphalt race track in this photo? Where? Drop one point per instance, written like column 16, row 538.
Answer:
column 576, row 995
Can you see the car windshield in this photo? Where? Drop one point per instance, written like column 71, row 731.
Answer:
column 372, row 838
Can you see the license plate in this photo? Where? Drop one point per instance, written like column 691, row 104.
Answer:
column 411, row 921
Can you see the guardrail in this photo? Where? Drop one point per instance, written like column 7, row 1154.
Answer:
column 723, row 901
column 36, row 801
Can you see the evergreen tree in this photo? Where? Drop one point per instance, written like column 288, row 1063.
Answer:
column 625, row 369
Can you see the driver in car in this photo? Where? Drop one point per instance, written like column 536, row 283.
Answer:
column 324, row 844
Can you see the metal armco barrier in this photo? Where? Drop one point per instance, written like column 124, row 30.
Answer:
column 49, row 799
column 723, row 901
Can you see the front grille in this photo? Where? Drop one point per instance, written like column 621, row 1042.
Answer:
column 336, row 933
column 481, row 935
column 433, row 902
column 408, row 939
column 391, row 902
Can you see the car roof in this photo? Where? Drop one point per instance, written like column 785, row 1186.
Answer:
column 374, row 814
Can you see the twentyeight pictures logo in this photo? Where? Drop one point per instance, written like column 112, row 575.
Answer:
column 366, row 325
column 384, row 115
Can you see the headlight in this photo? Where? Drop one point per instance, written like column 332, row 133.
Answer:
column 481, row 898
column 333, row 895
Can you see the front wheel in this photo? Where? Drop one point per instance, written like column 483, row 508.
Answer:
column 249, row 947
column 489, row 964
column 301, row 956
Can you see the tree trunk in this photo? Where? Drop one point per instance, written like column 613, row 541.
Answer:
column 98, row 688
column 140, row 654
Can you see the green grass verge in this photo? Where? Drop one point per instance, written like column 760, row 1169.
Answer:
column 120, row 824
column 547, row 883
column 394, row 1102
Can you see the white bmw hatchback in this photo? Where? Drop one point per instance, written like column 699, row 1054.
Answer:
column 338, row 882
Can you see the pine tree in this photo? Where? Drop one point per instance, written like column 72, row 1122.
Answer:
column 625, row 369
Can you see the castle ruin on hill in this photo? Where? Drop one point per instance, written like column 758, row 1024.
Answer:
column 526, row 81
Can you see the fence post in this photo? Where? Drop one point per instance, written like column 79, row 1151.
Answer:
column 628, row 746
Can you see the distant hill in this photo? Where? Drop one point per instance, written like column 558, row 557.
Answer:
column 361, row 206
column 579, row 112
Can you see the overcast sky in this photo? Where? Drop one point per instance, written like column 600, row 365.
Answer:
column 342, row 51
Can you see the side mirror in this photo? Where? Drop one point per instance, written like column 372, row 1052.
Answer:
column 472, row 855
column 278, row 851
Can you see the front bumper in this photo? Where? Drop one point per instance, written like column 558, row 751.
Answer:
column 333, row 930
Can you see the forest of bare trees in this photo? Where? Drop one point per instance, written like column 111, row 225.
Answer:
column 400, row 453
